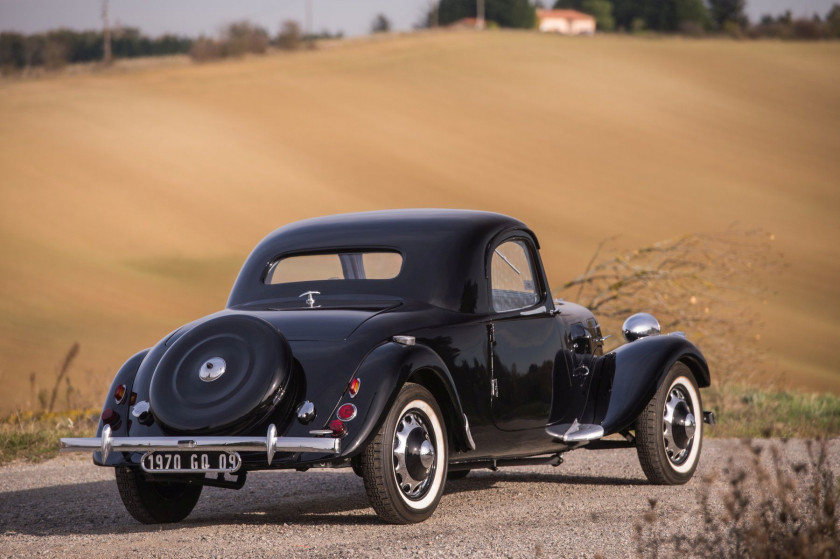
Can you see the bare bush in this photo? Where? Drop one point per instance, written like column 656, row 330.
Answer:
column 236, row 39
column 244, row 37
column 62, row 373
column 204, row 49
column 290, row 36
column 706, row 285
column 770, row 511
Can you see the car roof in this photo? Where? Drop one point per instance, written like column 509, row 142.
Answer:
column 443, row 251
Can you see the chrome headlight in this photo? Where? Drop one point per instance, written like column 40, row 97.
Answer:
column 640, row 325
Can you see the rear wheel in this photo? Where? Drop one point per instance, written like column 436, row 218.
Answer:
column 669, row 432
column 155, row 502
column 404, row 466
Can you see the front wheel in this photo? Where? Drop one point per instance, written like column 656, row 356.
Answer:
column 155, row 502
column 669, row 432
column 404, row 466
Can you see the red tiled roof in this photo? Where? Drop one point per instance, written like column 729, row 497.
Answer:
column 562, row 14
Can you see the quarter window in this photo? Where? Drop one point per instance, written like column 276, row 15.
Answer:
column 512, row 277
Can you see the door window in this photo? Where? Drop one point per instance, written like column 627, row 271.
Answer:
column 512, row 277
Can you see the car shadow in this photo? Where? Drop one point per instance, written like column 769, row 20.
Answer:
column 323, row 498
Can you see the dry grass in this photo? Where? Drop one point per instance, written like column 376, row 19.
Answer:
column 33, row 436
column 769, row 509
column 129, row 200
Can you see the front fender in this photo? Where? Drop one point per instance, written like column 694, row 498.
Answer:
column 382, row 374
column 639, row 369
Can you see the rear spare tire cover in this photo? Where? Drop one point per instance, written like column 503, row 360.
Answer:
column 187, row 393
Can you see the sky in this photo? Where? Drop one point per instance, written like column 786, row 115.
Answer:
column 195, row 17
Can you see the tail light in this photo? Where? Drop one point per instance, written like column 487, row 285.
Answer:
column 110, row 417
column 337, row 427
column 346, row 412
column 353, row 389
column 119, row 394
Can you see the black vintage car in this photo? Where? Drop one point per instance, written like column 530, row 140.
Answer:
column 410, row 345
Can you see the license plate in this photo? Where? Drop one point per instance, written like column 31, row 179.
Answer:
column 191, row 462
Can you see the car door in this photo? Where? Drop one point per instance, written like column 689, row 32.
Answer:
column 524, row 338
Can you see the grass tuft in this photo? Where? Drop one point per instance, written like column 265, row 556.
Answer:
column 745, row 411
column 33, row 436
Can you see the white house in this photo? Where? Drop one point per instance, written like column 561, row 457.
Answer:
column 566, row 22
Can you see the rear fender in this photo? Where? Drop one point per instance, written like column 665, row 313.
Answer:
column 382, row 374
column 125, row 376
column 639, row 369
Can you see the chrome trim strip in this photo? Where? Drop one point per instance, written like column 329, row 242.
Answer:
column 270, row 444
column 470, row 440
column 532, row 312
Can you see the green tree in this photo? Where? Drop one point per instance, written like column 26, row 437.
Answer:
column 660, row 15
column 722, row 11
column 833, row 20
column 569, row 5
column 381, row 24
column 507, row 13
column 602, row 11
column 692, row 11
column 12, row 51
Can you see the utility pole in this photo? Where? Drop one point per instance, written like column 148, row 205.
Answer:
column 106, row 33
column 309, row 23
column 479, row 19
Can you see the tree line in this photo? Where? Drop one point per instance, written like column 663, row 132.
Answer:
column 54, row 49
column 57, row 48
column 666, row 16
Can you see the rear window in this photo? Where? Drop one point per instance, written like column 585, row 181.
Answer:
column 368, row 265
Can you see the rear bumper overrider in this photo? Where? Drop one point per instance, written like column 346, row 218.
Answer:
column 269, row 444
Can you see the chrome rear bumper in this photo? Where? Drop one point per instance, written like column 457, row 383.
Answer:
column 269, row 444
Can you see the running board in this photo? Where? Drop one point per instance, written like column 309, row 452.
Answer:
column 575, row 432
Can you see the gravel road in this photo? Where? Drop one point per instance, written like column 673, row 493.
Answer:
column 68, row 508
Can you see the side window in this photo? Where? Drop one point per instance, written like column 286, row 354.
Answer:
column 512, row 277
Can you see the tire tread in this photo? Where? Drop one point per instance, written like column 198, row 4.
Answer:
column 145, row 505
column 649, row 444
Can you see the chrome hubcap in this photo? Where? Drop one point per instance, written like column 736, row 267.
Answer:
column 414, row 455
column 679, row 426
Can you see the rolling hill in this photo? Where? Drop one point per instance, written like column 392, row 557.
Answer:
column 129, row 199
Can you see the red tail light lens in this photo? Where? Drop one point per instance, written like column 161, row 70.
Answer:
column 110, row 417
column 346, row 412
column 353, row 389
column 119, row 394
column 337, row 427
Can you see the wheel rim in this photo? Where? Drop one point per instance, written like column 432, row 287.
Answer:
column 679, row 425
column 415, row 454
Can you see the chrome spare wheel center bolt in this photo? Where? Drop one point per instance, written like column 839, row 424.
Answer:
column 212, row 369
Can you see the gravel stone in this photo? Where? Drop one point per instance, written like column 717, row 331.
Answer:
column 588, row 505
